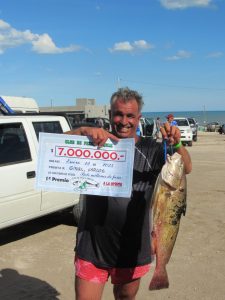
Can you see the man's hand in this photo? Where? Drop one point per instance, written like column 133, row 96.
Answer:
column 170, row 133
column 98, row 135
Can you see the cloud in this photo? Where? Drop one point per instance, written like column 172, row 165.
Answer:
column 215, row 54
column 4, row 25
column 182, row 4
column 42, row 44
column 131, row 47
column 182, row 54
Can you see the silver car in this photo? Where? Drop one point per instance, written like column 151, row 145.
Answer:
column 194, row 126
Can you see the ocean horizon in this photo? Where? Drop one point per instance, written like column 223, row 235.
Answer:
column 202, row 117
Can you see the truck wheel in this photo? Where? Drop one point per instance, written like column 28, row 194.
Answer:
column 190, row 144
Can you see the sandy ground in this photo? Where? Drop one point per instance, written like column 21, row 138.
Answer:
column 36, row 258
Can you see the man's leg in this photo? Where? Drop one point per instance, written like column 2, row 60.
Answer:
column 87, row 290
column 126, row 291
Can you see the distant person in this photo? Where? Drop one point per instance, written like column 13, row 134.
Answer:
column 100, row 122
column 170, row 120
column 158, row 125
column 138, row 130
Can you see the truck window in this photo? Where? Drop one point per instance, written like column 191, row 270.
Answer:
column 14, row 146
column 182, row 122
column 48, row 126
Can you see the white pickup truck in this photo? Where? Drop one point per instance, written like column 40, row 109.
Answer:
column 19, row 201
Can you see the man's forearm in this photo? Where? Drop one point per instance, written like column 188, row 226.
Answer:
column 77, row 131
column 186, row 159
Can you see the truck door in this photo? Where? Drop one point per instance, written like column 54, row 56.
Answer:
column 18, row 199
column 51, row 201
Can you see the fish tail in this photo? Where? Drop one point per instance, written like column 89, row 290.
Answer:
column 159, row 280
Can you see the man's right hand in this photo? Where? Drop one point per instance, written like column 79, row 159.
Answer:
column 98, row 135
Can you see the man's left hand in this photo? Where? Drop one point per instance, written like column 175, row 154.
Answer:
column 170, row 133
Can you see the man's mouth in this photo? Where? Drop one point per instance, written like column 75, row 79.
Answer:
column 123, row 129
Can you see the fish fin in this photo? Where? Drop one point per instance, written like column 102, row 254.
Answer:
column 159, row 280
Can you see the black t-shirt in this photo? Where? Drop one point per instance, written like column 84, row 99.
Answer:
column 114, row 231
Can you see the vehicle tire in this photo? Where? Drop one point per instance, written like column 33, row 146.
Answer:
column 184, row 144
column 190, row 144
column 195, row 138
column 77, row 210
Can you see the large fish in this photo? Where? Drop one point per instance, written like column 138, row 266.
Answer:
column 168, row 204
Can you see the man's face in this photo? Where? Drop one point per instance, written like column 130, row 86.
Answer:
column 125, row 118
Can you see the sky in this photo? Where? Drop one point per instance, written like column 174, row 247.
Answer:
column 170, row 51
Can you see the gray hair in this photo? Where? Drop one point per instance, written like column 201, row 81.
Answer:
column 127, row 95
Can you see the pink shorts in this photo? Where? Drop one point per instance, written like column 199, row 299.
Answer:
column 87, row 271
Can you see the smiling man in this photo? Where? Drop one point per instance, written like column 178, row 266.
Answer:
column 113, row 238
column 126, row 114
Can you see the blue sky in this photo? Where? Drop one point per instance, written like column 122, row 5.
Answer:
column 171, row 51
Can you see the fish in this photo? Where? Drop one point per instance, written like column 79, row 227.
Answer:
column 167, row 206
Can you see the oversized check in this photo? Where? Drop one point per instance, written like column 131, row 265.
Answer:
column 71, row 163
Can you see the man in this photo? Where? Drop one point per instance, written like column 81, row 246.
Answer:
column 158, row 125
column 171, row 121
column 100, row 122
column 113, row 237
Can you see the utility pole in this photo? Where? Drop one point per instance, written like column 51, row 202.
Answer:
column 51, row 103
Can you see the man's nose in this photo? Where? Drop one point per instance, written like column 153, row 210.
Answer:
column 124, row 120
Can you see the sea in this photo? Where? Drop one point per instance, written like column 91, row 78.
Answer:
column 202, row 117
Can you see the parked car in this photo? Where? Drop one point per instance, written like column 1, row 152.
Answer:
column 185, row 129
column 212, row 126
column 98, row 122
column 221, row 130
column 148, row 127
column 194, row 126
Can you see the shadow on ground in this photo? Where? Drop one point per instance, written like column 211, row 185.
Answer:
column 14, row 285
column 25, row 229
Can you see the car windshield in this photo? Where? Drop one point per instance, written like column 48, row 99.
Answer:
column 182, row 122
column 149, row 121
column 191, row 121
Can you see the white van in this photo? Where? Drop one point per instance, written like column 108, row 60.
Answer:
column 19, row 201
column 21, row 104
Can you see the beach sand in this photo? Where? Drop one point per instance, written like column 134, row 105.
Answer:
column 36, row 258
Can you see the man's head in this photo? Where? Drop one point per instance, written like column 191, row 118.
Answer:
column 126, row 95
column 170, row 117
column 126, row 108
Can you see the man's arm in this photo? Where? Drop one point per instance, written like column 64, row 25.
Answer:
column 172, row 134
column 98, row 135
